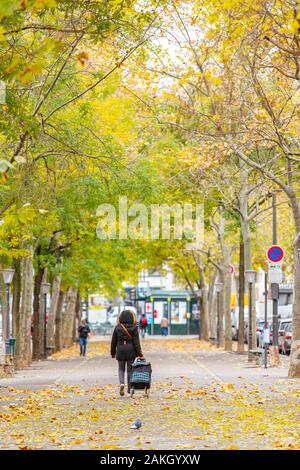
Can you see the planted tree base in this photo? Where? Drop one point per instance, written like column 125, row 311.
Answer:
column 274, row 357
column 6, row 367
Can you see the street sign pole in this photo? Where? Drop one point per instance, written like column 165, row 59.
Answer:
column 275, row 286
column 266, row 321
column 275, row 296
column 274, row 219
column 218, row 319
column 250, row 332
column 275, row 255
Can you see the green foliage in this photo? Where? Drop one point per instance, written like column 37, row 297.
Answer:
column 80, row 127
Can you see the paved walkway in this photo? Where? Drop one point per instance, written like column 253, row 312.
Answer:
column 201, row 398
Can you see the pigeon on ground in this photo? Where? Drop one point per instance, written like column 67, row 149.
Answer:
column 137, row 424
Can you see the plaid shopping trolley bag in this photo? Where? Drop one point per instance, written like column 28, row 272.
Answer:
column 140, row 376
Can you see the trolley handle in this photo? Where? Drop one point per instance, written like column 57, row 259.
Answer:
column 138, row 359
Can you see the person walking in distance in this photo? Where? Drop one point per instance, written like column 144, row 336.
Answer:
column 143, row 325
column 164, row 326
column 84, row 331
column 125, row 346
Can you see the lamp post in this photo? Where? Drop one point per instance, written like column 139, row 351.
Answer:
column 219, row 287
column 188, row 314
column 250, row 279
column 45, row 290
column 8, row 275
column 169, row 315
column 266, row 323
column 152, row 319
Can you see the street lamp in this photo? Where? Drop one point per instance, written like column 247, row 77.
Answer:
column 250, row 279
column 8, row 275
column 45, row 290
column 219, row 287
column 188, row 314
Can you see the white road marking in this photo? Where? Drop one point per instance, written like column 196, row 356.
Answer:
column 203, row 367
column 77, row 366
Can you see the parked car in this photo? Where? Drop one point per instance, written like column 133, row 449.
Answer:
column 281, row 332
column 260, row 324
column 284, row 335
column 260, row 333
column 287, row 340
column 235, row 332
column 235, row 322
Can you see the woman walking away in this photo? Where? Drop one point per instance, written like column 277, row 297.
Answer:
column 125, row 345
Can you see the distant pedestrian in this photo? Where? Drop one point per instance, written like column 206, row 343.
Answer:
column 143, row 324
column 84, row 331
column 125, row 346
column 164, row 326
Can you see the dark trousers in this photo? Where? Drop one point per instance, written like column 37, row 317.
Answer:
column 122, row 367
column 82, row 342
column 143, row 331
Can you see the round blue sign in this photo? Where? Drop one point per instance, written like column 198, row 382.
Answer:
column 275, row 254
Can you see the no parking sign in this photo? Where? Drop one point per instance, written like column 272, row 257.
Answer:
column 275, row 254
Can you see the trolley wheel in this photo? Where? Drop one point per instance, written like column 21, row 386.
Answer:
column 147, row 392
column 131, row 392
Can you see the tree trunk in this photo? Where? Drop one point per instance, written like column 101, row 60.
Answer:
column 294, row 369
column 241, row 336
column 68, row 319
column 77, row 316
column 59, row 322
column 202, row 302
column 16, row 317
column 246, row 234
column 55, row 292
column 203, row 305
column 4, row 308
column 212, row 304
column 16, row 295
column 228, row 320
column 38, row 317
column 86, row 298
column 23, row 325
column 225, row 313
column 248, row 265
column 222, row 310
column 74, row 335
column 225, row 276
